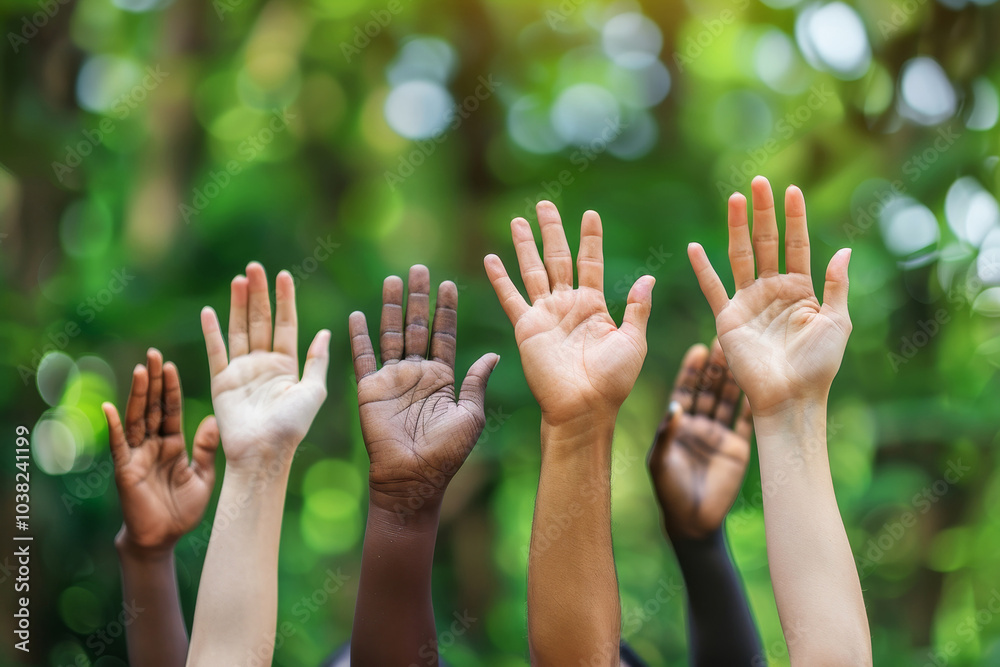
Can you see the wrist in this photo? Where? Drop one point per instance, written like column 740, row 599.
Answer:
column 798, row 416
column 129, row 549
column 399, row 516
column 258, row 474
column 586, row 427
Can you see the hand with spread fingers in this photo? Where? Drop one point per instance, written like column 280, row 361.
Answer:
column 697, row 462
column 784, row 349
column 163, row 497
column 782, row 344
column 417, row 431
column 577, row 361
column 699, row 456
column 580, row 367
column 264, row 411
column 418, row 434
column 264, row 408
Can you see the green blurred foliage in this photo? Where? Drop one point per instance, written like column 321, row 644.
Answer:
column 151, row 149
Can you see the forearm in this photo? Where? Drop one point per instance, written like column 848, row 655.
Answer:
column 815, row 580
column 574, row 613
column 236, row 614
column 721, row 628
column 156, row 634
column 395, row 589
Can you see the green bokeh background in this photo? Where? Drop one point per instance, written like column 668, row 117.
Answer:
column 897, row 424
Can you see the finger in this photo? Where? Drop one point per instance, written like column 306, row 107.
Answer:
column 259, row 309
column 533, row 273
column 729, row 398
column 473, row 392
column 510, row 299
column 708, row 279
column 686, row 384
column 418, row 311
column 637, row 309
column 154, row 399
column 286, row 321
column 744, row 423
column 657, row 454
column 120, row 452
column 205, row 446
column 318, row 360
column 361, row 345
column 445, row 336
column 740, row 249
column 239, row 334
column 765, row 228
column 837, row 283
column 710, row 384
column 135, row 409
column 391, row 334
column 173, row 400
column 555, row 249
column 214, row 344
column 590, row 261
column 796, row 232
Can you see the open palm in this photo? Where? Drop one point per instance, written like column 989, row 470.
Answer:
column 417, row 432
column 264, row 409
column 572, row 352
column 163, row 496
column 779, row 341
column 699, row 457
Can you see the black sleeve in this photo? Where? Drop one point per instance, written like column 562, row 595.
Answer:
column 721, row 629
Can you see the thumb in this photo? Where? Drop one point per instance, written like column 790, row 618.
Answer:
column 473, row 392
column 318, row 362
column 664, row 435
column 640, row 303
column 835, row 289
column 206, row 444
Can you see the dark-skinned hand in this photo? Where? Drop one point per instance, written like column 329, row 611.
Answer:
column 417, row 432
column 699, row 456
column 163, row 495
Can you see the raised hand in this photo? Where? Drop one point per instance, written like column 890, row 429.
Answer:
column 699, row 457
column 417, row 432
column 576, row 360
column 163, row 495
column 780, row 342
column 263, row 408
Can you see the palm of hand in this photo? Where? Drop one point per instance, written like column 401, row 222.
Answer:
column 778, row 339
column 162, row 498
column 416, row 434
column 700, row 476
column 258, row 398
column 573, row 354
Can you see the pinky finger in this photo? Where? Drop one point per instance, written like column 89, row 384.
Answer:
column 708, row 279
